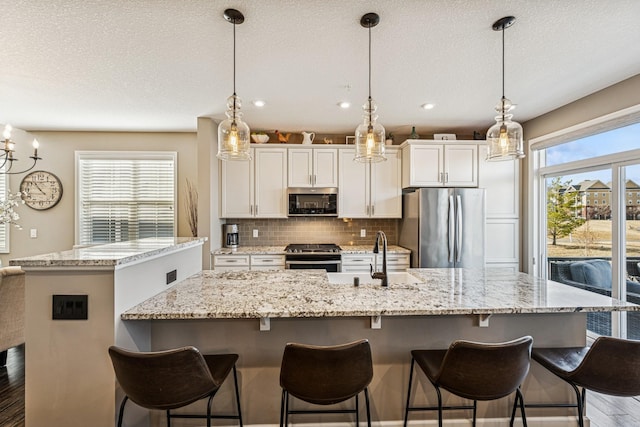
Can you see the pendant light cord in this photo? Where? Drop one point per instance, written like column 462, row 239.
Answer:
column 234, row 58
column 503, row 61
column 369, row 61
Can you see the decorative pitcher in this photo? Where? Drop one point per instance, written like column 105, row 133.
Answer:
column 307, row 137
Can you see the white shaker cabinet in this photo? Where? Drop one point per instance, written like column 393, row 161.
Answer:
column 313, row 167
column 429, row 163
column 369, row 190
column 255, row 188
column 501, row 180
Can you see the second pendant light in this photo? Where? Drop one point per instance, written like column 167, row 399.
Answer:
column 370, row 138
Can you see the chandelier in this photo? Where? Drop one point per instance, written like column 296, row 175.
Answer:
column 7, row 162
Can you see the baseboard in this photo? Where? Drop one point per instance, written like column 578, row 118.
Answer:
column 481, row 422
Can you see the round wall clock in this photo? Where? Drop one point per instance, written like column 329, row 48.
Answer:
column 41, row 190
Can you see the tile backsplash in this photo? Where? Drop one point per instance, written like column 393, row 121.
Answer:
column 314, row 230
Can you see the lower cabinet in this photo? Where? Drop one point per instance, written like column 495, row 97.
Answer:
column 248, row 262
column 360, row 263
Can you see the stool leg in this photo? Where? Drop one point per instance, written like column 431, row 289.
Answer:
column 209, row 410
column 475, row 410
column 235, row 381
column 439, row 405
column 121, row 414
column 406, row 410
column 357, row 412
column 366, row 398
column 282, row 408
column 168, row 418
column 580, row 405
column 522, row 414
column 286, row 410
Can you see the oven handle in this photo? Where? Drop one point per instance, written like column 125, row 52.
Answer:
column 288, row 263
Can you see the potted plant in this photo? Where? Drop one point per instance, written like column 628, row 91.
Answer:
column 390, row 137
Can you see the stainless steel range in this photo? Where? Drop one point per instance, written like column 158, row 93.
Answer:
column 323, row 256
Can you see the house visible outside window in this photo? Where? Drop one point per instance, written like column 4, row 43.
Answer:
column 125, row 196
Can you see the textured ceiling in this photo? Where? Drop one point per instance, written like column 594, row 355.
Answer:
column 157, row 65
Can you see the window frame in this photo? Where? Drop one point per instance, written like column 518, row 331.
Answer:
column 123, row 155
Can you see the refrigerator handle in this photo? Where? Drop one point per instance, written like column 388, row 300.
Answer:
column 459, row 229
column 452, row 229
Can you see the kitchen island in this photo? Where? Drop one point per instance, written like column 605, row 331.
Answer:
column 255, row 313
column 69, row 380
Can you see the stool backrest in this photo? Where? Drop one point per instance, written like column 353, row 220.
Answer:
column 164, row 379
column 326, row 375
column 611, row 366
column 482, row 371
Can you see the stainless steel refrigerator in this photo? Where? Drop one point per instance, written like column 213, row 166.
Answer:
column 444, row 227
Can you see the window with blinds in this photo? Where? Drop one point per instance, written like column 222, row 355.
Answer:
column 4, row 228
column 125, row 196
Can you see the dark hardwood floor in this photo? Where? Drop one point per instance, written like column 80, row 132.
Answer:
column 604, row 411
column 12, row 389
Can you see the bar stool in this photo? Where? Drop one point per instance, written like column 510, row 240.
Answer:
column 325, row 375
column 171, row 379
column 610, row 366
column 476, row 371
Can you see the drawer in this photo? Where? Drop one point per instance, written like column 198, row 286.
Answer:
column 267, row 260
column 358, row 259
column 231, row 260
column 396, row 259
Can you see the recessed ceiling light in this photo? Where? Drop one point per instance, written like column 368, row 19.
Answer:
column 259, row 103
column 344, row 104
column 428, row 106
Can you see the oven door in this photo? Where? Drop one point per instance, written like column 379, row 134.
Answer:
column 331, row 266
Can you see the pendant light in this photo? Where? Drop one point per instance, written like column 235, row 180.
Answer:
column 504, row 138
column 370, row 135
column 233, row 133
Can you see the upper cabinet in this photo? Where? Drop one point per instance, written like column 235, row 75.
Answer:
column 436, row 164
column 313, row 167
column 369, row 190
column 256, row 188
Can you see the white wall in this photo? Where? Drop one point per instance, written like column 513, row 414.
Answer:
column 56, row 226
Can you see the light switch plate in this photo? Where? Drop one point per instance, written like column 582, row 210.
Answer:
column 255, row 233
column 33, row 233
column 363, row 232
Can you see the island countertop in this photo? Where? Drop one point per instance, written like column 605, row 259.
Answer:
column 308, row 293
column 109, row 255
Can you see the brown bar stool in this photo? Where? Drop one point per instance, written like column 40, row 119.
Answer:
column 171, row 379
column 325, row 376
column 476, row 371
column 611, row 366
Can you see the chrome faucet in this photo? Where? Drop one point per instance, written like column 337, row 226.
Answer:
column 376, row 249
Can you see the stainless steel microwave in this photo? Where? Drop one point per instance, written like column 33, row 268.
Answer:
column 313, row 201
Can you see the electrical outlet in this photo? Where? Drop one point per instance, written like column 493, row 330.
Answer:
column 33, row 233
column 172, row 276
column 363, row 232
column 255, row 232
column 70, row 307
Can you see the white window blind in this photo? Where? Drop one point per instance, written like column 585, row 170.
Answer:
column 125, row 196
column 4, row 228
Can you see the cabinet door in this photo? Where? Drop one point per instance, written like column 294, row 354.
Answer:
column 270, row 182
column 325, row 167
column 353, row 192
column 236, row 189
column 461, row 165
column 501, row 181
column 300, row 167
column 424, row 166
column 386, row 191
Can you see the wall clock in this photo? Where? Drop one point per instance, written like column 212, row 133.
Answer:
column 41, row 190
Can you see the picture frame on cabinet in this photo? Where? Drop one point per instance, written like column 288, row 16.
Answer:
column 350, row 140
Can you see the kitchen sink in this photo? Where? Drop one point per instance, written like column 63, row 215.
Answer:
column 365, row 278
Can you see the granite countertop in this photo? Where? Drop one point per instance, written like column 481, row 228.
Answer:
column 308, row 293
column 279, row 250
column 112, row 254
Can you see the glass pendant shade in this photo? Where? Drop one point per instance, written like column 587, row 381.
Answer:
column 370, row 137
column 504, row 138
column 233, row 133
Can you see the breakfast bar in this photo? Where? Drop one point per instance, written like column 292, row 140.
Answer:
column 255, row 313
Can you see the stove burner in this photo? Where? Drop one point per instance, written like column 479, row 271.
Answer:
column 313, row 248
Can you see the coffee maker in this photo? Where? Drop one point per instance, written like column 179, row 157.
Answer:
column 231, row 236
